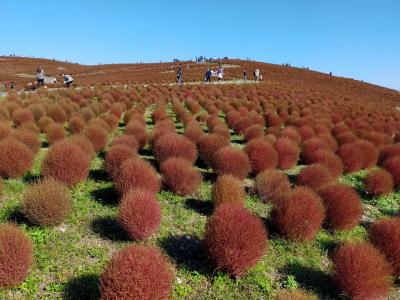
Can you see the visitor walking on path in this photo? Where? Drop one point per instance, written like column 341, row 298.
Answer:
column 220, row 74
column 179, row 76
column 40, row 76
column 256, row 75
column 244, row 75
column 68, row 80
column 208, row 76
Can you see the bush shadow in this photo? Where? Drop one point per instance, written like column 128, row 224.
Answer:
column 313, row 280
column 99, row 175
column 83, row 287
column 202, row 207
column 31, row 178
column 109, row 228
column 187, row 252
column 19, row 218
column 106, row 196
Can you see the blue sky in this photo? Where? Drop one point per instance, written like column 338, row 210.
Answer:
column 351, row 38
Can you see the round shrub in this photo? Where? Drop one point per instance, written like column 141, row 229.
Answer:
column 83, row 143
column 76, row 125
column 229, row 160
column 271, row 185
column 15, row 158
column 312, row 145
column 288, row 153
column 370, row 153
column 299, row 214
column 115, row 157
column 44, row 122
column 66, row 163
column 29, row 139
column 139, row 213
column 314, row 176
column 54, row 133
column 385, row 235
column 253, row 132
column 97, row 135
column 46, row 202
column 22, row 115
column 193, row 133
column 378, row 182
column 351, row 156
column 16, row 255
column 388, row 151
column 137, row 272
column 174, row 145
column 361, row 271
column 228, row 189
column 137, row 173
column 128, row 140
column 342, row 205
column 209, row 144
column 180, row 176
column 57, row 113
column 5, row 130
column 392, row 165
column 138, row 131
column 235, row 239
column 262, row 155
column 329, row 160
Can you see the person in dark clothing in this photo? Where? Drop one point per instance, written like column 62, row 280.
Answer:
column 179, row 76
column 12, row 85
column 208, row 75
column 68, row 80
column 40, row 76
column 244, row 75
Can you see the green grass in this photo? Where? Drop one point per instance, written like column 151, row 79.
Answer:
column 69, row 258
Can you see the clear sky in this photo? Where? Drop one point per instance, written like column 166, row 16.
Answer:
column 351, row 38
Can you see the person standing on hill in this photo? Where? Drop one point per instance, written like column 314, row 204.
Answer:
column 208, row 75
column 40, row 76
column 68, row 80
column 220, row 74
column 256, row 75
column 179, row 76
column 244, row 75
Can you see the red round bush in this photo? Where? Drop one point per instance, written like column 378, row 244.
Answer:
column 378, row 182
column 385, row 235
column 137, row 272
column 271, row 185
column 343, row 208
column 193, row 132
column 97, row 135
column 5, row 130
column 29, row 139
column 16, row 255
column 361, row 271
column 329, row 160
column 137, row 173
column 139, row 213
column 288, row 153
column 312, row 145
column 138, row 130
column 180, row 176
column 351, row 156
column 253, row 132
column 314, row 176
column 22, row 115
column 83, row 143
column 54, row 133
column 128, row 140
column 370, row 153
column 209, row 144
column 46, row 202
column 392, row 165
column 228, row 189
column 174, row 145
column 229, row 160
column 15, row 158
column 66, row 163
column 76, row 125
column 235, row 239
column 115, row 157
column 299, row 214
column 262, row 155
column 388, row 151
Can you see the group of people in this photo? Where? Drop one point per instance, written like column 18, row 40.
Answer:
column 219, row 73
column 256, row 75
column 40, row 78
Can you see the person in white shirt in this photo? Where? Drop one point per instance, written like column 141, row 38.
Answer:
column 40, row 76
column 68, row 80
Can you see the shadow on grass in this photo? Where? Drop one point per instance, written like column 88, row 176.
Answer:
column 45, row 144
column 102, row 154
column 19, row 218
column 106, row 196
column 202, row 207
column 145, row 152
column 109, row 228
column 208, row 176
column 187, row 252
column 98, row 175
column 313, row 280
column 83, row 287
column 31, row 178
column 238, row 141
